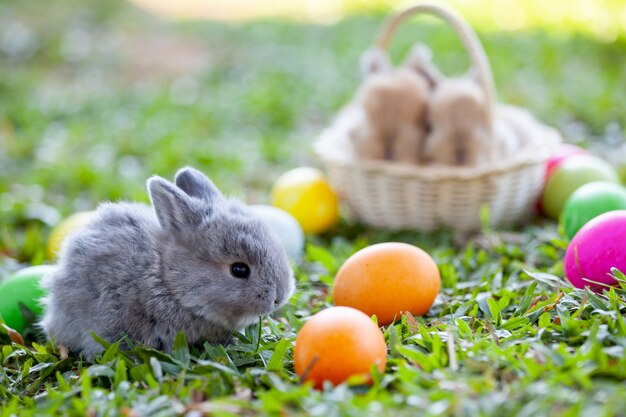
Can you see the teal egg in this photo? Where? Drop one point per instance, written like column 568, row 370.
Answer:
column 589, row 201
column 23, row 287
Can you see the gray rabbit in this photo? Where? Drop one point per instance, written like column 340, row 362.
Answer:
column 196, row 262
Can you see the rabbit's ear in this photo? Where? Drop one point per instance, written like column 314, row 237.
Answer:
column 375, row 61
column 196, row 184
column 174, row 209
column 420, row 59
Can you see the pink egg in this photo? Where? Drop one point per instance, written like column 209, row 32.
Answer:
column 597, row 247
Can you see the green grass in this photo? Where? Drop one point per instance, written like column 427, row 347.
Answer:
column 80, row 125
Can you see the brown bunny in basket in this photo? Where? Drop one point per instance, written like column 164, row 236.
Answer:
column 460, row 127
column 458, row 114
column 393, row 103
column 461, row 133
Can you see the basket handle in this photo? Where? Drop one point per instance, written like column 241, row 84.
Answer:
column 465, row 33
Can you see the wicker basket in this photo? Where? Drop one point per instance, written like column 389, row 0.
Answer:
column 401, row 196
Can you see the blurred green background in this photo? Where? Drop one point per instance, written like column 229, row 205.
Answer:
column 97, row 96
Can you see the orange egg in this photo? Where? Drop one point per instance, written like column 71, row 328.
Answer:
column 386, row 280
column 338, row 343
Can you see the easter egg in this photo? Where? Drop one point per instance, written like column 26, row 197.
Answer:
column 306, row 195
column 595, row 249
column 285, row 226
column 571, row 174
column 589, row 201
column 336, row 344
column 563, row 152
column 22, row 287
column 67, row 226
column 386, row 280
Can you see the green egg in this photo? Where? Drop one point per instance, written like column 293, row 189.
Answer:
column 589, row 201
column 22, row 287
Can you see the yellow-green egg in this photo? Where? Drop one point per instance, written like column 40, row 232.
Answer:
column 63, row 229
column 571, row 174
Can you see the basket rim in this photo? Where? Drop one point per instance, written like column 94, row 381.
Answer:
column 536, row 154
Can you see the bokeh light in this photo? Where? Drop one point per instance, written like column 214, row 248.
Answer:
column 604, row 19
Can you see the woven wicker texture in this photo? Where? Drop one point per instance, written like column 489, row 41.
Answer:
column 401, row 196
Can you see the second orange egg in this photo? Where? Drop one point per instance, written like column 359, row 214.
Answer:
column 388, row 279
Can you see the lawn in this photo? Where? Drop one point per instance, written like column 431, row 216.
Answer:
column 96, row 97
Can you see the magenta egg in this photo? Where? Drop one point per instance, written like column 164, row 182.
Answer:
column 597, row 247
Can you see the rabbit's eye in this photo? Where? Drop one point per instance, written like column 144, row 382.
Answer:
column 240, row 270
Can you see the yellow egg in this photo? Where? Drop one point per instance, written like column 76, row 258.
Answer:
column 306, row 195
column 60, row 232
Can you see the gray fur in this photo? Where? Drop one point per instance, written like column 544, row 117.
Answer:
column 149, row 273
